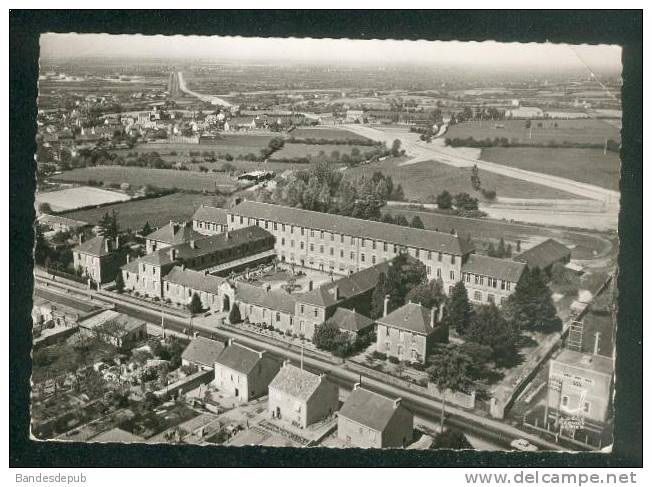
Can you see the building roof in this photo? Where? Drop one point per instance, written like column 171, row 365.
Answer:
column 369, row 409
column 483, row 265
column 96, row 246
column 194, row 279
column 544, row 255
column 387, row 232
column 239, row 358
column 358, row 283
column 412, row 317
column 61, row 220
column 116, row 435
column 207, row 245
column 175, row 233
column 295, row 382
column 259, row 296
column 587, row 361
column 349, row 320
column 100, row 321
column 203, row 351
column 210, row 214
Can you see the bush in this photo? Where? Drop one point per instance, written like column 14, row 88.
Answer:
column 234, row 314
column 379, row 355
column 393, row 360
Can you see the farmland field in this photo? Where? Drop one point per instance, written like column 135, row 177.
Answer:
column 235, row 145
column 421, row 180
column 71, row 198
column 581, row 131
column 325, row 133
column 292, row 151
column 156, row 211
column 160, row 178
column 584, row 165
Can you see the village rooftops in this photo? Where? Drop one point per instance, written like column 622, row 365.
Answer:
column 545, row 254
column 210, row 214
column 97, row 246
column 505, row 269
column 101, row 321
column 239, row 358
column 411, row 317
column 206, row 245
column 260, row 296
column 296, row 382
column 331, row 293
column 369, row 408
column 349, row 320
column 197, row 280
column 175, row 233
column 203, row 351
column 384, row 232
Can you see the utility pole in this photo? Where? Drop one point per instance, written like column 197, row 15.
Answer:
column 162, row 321
column 302, row 354
column 604, row 152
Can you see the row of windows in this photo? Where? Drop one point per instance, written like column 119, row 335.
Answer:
column 491, row 281
column 491, row 298
column 216, row 227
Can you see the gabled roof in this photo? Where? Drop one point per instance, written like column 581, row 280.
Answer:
column 369, row 409
column 295, row 382
column 483, row 265
column 239, row 358
column 210, row 214
column 175, row 233
column 259, row 296
column 544, row 254
column 194, row 279
column 412, row 317
column 349, row 320
column 347, row 287
column 95, row 246
column 387, row 232
column 203, row 351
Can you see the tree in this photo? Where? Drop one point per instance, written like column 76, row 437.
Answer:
column 416, row 222
column 119, row 282
column 452, row 439
column 489, row 327
column 146, row 229
column 475, row 178
column 378, row 297
column 396, row 146
column 108, row 225
column 195, row 305
column 530, row 306
column 45, row 208
column 329, row 337
column 42, row 250
column 430, row 294
column 402, row 221
column 449, row 371
column 464, row 201
column 459, row 308
column 444, row 200
column 234, row 314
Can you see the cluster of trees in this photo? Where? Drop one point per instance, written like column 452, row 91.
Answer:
column 322, row 141
column 329, row 337
column 612, row 145
column 476, row 184
column 323, row 188
column 108, row 225
column 403, row 281
column 274, row 145
column 502, row 250
column 403, row 221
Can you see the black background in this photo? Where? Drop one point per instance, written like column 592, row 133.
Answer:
column 577, row 27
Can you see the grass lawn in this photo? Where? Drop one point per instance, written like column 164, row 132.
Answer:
column 71, row 198
column 421, row 180
column 584, row 165
column 587, row 131
column 156, row 211
column 138, row 176
column 322, row 133
column 291, row 151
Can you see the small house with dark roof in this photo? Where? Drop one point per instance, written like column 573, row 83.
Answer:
column 243, row 372
column 300, row 397
column 490, row 279
column 351, row 322
column 202, row 352
column 98, row 258
column 370, row 420
column 545, row 255
column 172, row 234
column 409, row 332
column 263, row 305
column 209, row 220
column 180, row 284
column 59, row 223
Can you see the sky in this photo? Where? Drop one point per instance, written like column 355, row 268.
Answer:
column 488, row 53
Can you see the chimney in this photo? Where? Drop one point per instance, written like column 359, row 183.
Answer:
column 192, row 244
column 432, row 317
column 172, row 254
column 310, row 285
column 195, row 334
column 260, row 353
column 355, row 386
column 81, row 238
column 440, row 318
column 336, row 292
column 117, row 242
column 596, row 343
column 385, row 305
column 183, row 267
column 226, row 235
column 397, row 402
column 128, row 258
column 230, row 342
column 106, row 245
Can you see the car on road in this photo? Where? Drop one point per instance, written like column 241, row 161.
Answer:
column 523, row 445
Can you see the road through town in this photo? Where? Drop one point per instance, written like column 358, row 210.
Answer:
column 428, row 408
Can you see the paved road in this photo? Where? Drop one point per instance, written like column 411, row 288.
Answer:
column 207, row 98
column 421, row 406
column 420, row 151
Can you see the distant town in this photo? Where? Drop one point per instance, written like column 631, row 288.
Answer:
column 325, row 256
